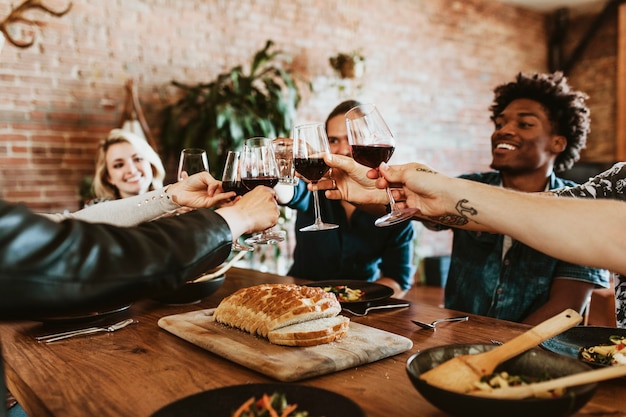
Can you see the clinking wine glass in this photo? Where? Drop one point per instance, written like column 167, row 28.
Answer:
column 231, row 177
column 192, row 161
column 258, row 167
column 231, row 181
column 310, row 145
column 372, row 143
column 283, row 153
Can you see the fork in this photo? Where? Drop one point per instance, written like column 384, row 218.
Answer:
column 65, row 335
column 433, row 325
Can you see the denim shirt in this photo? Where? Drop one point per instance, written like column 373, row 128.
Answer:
column 356, row 250
column 482, row 281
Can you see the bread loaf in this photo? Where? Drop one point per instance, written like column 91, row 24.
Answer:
column 263, row 309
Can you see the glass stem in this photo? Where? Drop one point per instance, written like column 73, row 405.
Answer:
column 316, row 203
column 392, row 202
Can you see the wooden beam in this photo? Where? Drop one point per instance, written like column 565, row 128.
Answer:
column 609, row 10
column 620, row 148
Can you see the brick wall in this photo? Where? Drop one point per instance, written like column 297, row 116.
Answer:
column 431, row 67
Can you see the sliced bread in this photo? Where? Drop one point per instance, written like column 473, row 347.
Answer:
column 312, row 332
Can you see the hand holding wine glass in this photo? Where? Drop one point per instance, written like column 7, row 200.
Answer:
column 310, row 145
column 192, row 161
column 231, row 181
column 258, row 167
column 372, row 143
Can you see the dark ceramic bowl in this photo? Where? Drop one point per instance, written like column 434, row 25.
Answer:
column 191, row 292
column 534, row 362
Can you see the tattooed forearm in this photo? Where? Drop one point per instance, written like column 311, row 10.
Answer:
column 450, row 220
column 456, row 220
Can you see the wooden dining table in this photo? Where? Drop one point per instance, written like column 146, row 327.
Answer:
column 141, row 368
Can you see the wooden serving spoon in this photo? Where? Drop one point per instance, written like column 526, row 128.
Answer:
column 532, row 390
column 459, row 374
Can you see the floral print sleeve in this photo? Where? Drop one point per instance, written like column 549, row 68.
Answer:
column 609, row 184
column 620, row 300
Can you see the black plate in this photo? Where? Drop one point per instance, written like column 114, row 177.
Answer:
column 373, row 291
column 222, row 402
column 191, row 292
column 92, row 316
column 571, row 341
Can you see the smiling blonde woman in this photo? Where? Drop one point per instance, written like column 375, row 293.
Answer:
column 126, row 166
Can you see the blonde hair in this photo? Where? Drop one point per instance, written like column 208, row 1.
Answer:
column 102, row 188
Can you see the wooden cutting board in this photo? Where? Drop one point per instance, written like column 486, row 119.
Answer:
column 361, row 345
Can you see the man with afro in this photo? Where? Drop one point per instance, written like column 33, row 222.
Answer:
column 540, row 126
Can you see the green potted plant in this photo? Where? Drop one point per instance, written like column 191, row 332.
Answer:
column 218, row 116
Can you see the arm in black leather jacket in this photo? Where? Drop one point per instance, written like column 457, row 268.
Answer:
column 53, row 268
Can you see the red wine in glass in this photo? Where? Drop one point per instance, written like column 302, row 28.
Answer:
column 231, row 181
column 372, row 155
column 192, row 161
column 313, row 169
column 258, row 168
column 252, row 182
column 236, row 186
column 372, row 143
column 310, row 145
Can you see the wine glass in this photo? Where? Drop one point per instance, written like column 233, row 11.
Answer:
column 258, row 167
column 192, row 161
column 283, row 153
column 310, row 144
column 231, row 177
column 372, row 143
column 231, row 181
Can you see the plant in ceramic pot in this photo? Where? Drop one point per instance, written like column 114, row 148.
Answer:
column 218, row 116
column 350, row 65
